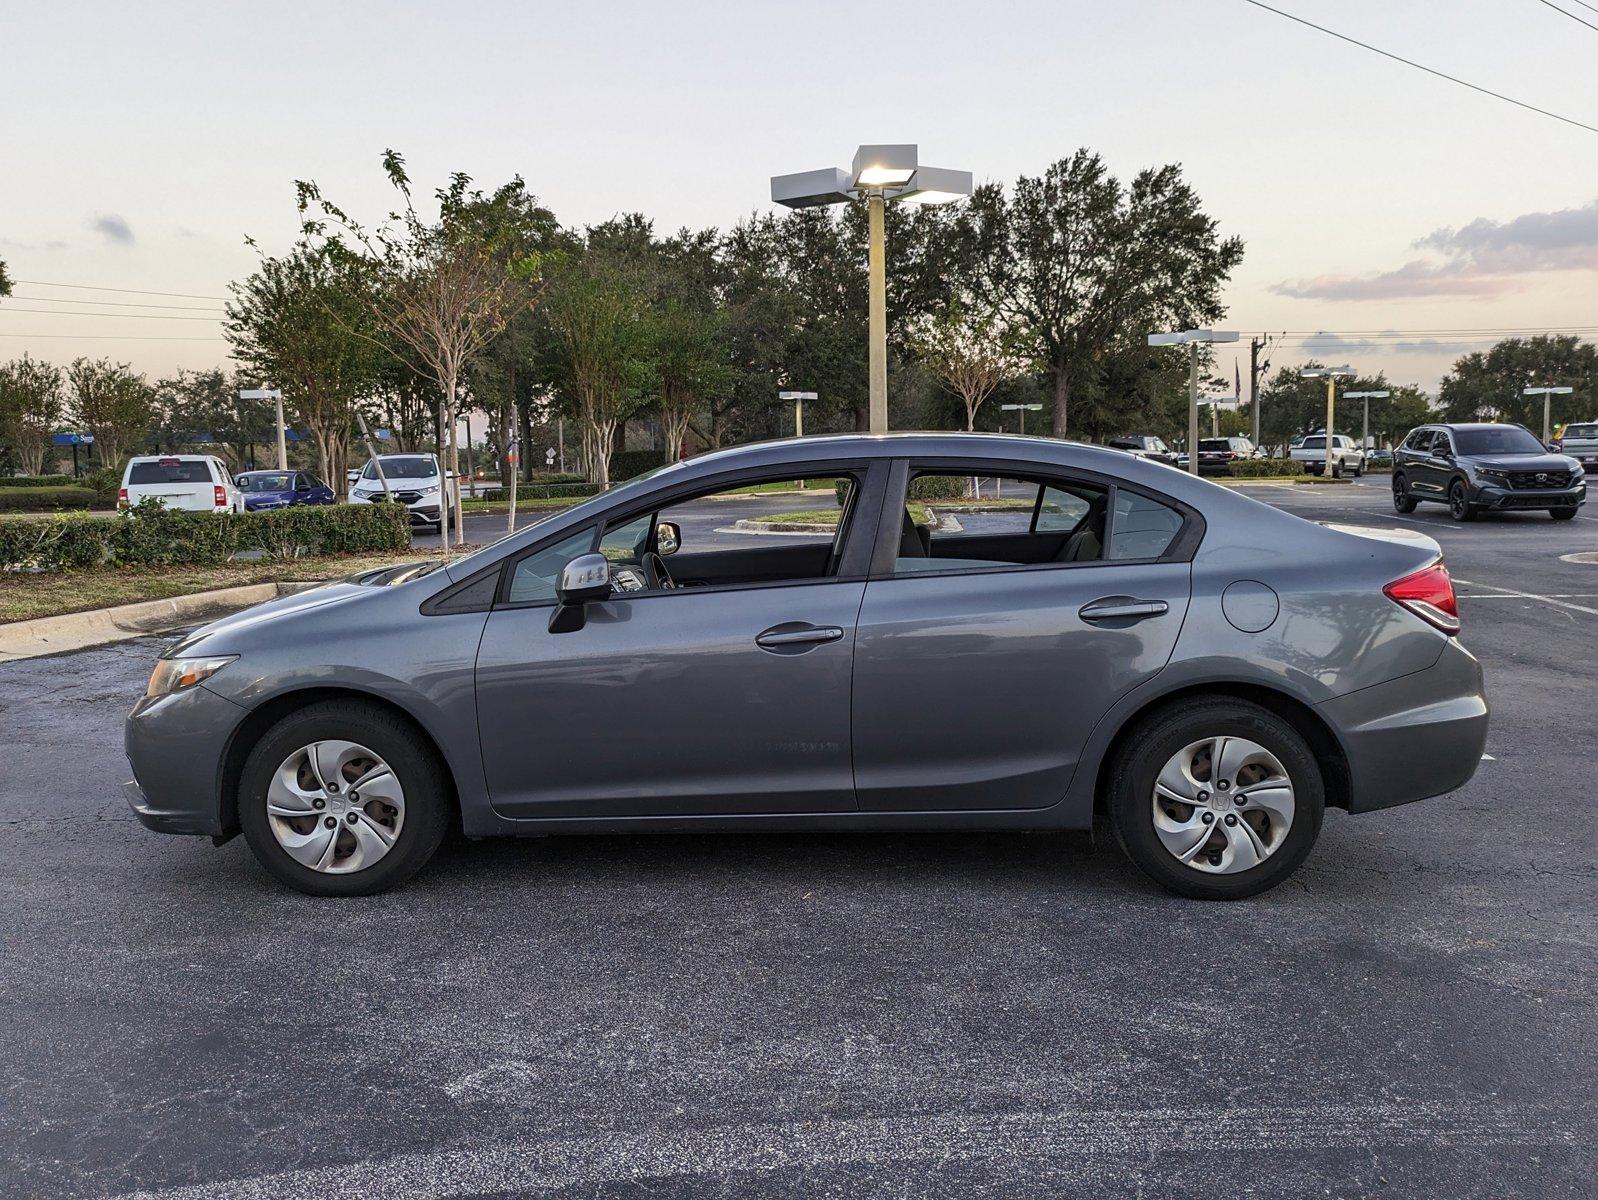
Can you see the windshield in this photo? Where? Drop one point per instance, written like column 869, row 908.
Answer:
column 276, row 482
column 410, row 466
column 1581, row 431
column 1497, row 439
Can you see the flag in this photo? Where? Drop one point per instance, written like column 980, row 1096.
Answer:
column 1237, row 382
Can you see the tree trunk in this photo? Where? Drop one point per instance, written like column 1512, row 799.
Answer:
column 1062, row 399
column 524, row 418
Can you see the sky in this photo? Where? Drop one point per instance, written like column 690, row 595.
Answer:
column 141, row 143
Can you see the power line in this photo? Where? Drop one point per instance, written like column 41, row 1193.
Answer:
column 84, row 287
column 120, row 304
column 116, row 337
column 1571, row 15
column 124, row 316
column 1475, row 87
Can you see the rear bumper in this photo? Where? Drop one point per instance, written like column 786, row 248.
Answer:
column 1414, row 737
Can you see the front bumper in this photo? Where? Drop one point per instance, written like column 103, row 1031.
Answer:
column 175, row 746
column 1413, row 737
column 1504, row 497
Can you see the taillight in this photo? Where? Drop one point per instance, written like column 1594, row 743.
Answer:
column 221, row 496
column 1429, row 594
column 122, row 497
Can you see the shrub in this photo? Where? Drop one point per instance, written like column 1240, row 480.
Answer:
column 42, row 499
column 1258, row 468
column 155, row 536
column 624, row 464
column 546, row 477
column 37, row 481
column 104, row 484
column 938, row 487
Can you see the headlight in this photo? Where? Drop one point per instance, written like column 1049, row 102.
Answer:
column 1491, row 474
column 428, row 491
column 362, row 494
column 176, row 674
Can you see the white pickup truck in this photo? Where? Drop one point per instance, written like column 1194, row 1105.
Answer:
column 1580, row 441
column 1347, row 458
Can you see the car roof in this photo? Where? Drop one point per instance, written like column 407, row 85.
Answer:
column 179, row 457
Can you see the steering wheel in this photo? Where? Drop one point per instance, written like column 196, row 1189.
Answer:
column 655, row 573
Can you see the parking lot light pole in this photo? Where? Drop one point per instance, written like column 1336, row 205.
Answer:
column 1192, row 339
column 798, row 399
column 1330, row 374
column 1545, row 392
column 879, row 174
column 1365, row 425
column 1023, row 409
column 275, row 394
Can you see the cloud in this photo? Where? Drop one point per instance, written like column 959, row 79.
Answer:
column 13, row 244
column 113, row 228
column 1483, row 258
column 1334, row 346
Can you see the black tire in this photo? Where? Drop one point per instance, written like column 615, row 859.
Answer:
column 1562, row 514
column 1459, row 505
column 1402, row 501
column 429, row 804
column 1159, row 736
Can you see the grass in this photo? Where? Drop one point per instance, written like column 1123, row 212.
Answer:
column 827, row 516
column 522, row 503
column 25, row 596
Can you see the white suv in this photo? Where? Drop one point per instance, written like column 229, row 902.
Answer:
column 414, row 480
column 1347, row 458
column 191, row 482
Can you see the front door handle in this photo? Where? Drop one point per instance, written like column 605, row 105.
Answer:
column 794, row 637
column 1122, row 608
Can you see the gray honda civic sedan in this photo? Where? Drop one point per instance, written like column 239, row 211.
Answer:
column 937, row 632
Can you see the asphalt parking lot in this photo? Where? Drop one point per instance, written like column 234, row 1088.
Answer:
column 826, row 1015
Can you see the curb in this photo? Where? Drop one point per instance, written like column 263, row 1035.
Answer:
column 101, row 626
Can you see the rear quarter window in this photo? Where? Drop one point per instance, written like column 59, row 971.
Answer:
column 1142, row 528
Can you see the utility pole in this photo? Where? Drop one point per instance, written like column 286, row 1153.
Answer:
column 1254, row 345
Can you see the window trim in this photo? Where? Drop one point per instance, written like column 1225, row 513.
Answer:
column 869, row 473
column 1183, row 545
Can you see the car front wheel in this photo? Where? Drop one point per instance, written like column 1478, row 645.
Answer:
column 343, row 798
column 1402, row 501
column 1217, row 799
column 1562, row 514
column 1459, row 505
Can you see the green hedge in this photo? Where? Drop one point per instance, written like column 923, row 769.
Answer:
column 43, row 499
column 154, row 536
column 36, row 481
column 939, row 487
column 624, row 464
column 1257, row 468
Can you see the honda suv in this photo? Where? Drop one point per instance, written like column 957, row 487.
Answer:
column 1479, row 467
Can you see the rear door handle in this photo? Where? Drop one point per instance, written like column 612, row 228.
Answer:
column 795, row 636
column 1122, row 608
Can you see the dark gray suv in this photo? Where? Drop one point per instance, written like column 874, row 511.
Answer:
column 936, row 632
column 1483, row 467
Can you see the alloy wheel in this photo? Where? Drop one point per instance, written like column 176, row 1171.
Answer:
column 1223, row 805
column 335, row 807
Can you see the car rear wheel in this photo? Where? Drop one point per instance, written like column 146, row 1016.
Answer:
column 1217, row 799
column 1459, row 505
column 1402, row 501
column 343, row 799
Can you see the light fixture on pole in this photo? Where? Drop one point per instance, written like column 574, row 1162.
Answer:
column 879, row 174
column 1023, row 409
column 1192, row 339
column 1330, row 374
column 1545, row 392
column 277, row 395
column 1365, row 424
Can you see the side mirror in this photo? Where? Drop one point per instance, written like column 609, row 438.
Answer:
column 668, row 537
column 238, row 481
column 584, row 580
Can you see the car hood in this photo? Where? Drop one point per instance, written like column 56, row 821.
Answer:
column 342, row 591
column 1524, row 462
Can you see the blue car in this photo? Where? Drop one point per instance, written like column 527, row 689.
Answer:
column 262, row 490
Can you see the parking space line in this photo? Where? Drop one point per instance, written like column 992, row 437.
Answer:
column 1511, row 593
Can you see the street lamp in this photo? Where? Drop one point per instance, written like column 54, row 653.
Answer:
column 1365, row 427
column 1023, row 409
column 1216, row 403
column 878, row 174
column 1545, row 392
column 1192, row 339
column 277, row 395
column 1330, row 374
column 798, row 399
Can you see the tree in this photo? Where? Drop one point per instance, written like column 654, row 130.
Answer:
column 31, row 408
column 445, row 288
column 113, row 403
column 206, row 404
column 303, row 323
column 1291, row 405
column 968, row 351
column 1088, row 267
column 1487, row 387
column 5, row 280
column 599, row 347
